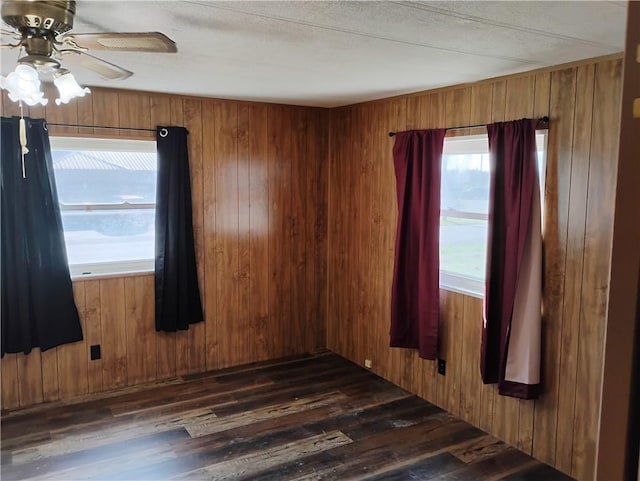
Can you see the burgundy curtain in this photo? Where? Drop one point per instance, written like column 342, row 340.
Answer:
column 417, row 157
column 510, row 352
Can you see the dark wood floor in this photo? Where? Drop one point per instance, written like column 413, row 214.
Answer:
column 313, row 417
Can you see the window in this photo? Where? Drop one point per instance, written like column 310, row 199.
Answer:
column 107, row 193
column 464, row 210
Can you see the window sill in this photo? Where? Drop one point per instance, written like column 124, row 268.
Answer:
column 109, row 270
column 109, row 275
column 469, row 286
column 477, row 295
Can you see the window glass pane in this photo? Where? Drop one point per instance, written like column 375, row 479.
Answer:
column 107, row 199
column 93, row 177
column 465, row 208
column 465, row 182
column 108, row 235
column 463, row 246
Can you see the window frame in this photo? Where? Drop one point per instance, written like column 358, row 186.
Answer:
column 119, row 268
column 473, row 286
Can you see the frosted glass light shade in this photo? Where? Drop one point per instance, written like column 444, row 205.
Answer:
column 68, row 88
column 23, row 85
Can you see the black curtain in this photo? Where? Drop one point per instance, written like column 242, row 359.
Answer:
column 38, row 309
column 176, row 279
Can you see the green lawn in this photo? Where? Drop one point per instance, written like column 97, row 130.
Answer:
column 463, row 246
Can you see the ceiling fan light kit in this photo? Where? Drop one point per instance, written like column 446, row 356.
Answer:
column 42, row 29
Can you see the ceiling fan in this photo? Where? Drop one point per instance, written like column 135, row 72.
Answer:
column 41, row 28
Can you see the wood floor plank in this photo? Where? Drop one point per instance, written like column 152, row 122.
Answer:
column 305, row 417
column 246, row 466
column 67, row 466
column 216, row 424
column 422, row 469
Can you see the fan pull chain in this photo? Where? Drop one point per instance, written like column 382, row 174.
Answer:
column 23, row 140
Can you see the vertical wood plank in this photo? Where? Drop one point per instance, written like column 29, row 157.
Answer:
column 337, row 207
column 30, row 378
column 159, row 111
column 165, row 355
column 140, row 327
column 372, row 168
column 316, row 225
column 541, row 96
column 114, row 336
column 105, row 105
column 258, row 217
column 457, row 108
column 450, row 349
column 193, row 122
column 481, row 98
column 10, row 396
column 50, row 384
column 470, row 381
column 245, row 341
column 226, row 232
column 84, row 112
column 134, row 111
column 34, row 111
column 210, row 294
column 71, row 365
column 278, row 125
column 414, row 109
column 381, row 164
column 9, row 107
column 93, row 334
column 299, row 333
column 353, row 282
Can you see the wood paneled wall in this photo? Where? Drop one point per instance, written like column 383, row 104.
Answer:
column 583, row 103
column 259, row 187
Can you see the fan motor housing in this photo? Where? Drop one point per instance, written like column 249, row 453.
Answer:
column 53, row 15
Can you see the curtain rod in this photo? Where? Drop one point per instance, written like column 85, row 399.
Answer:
column 81, row 126
column 543, row 122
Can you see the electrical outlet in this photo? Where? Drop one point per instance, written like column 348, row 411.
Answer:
column 368, row 363
column 95, row 352
column 442, row 367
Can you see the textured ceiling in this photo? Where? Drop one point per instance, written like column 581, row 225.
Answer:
column 340, row 52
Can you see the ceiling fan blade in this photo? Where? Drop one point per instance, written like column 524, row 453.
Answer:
column 12, row 34
column 125, row 42
column 106, row 70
